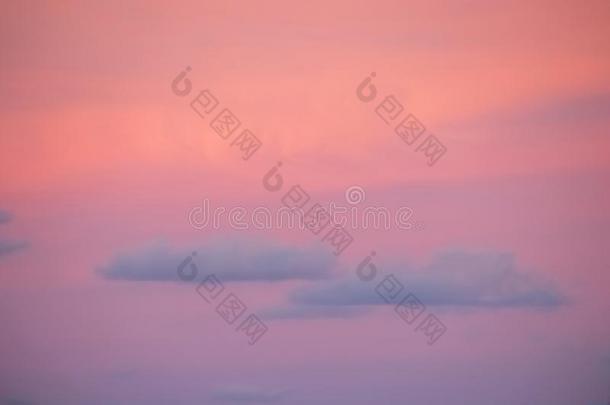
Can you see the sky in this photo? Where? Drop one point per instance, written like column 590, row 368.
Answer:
column 141, row 256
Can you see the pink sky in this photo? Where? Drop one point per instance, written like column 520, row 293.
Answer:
column 100, row 160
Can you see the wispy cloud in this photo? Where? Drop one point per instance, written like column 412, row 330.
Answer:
column 573, row 111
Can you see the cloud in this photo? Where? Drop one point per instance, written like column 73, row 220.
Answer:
column 583, row 108
column 230, row 260
column 571, row 112
column 452, row 279
column 244, row 393
column 5, row 217
column 7, row 246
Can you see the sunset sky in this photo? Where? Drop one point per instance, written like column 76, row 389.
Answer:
column 105, row 167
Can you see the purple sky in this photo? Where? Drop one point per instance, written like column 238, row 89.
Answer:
column 104, row 171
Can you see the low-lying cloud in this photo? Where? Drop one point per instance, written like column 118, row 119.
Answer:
column 229, row 259
column 452, row 279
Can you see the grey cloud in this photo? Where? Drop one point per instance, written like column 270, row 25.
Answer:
column 7, row 246
column 452, row 279
column 230, row 260
column 5, row 216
